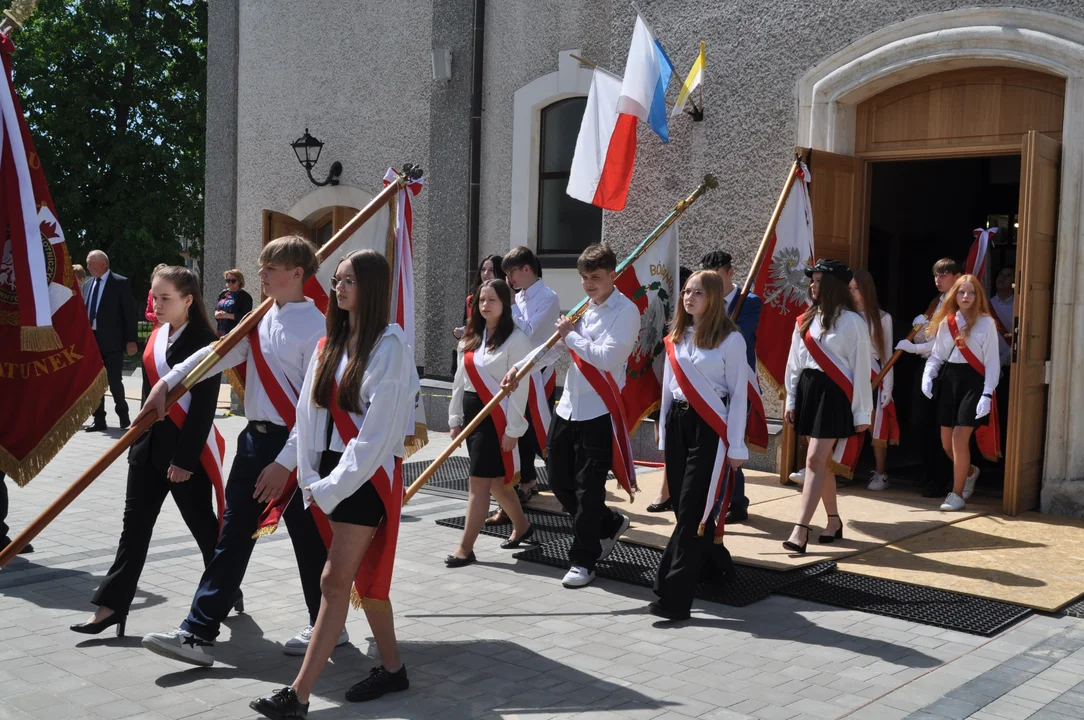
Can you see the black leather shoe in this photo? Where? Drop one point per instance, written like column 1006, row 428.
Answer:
column 27, row 549
column 280, row 705
column 125, row 423
column 737, row 515
column 239, row 602
column 453, row 561
column 667, row 504
column 116, row 618
column 379, row 682
column 96, row 427
column 511, row 544
column 666, row 613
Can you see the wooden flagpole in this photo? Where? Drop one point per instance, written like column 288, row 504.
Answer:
column 899, row 353
column 709, row 183
column 227, row 343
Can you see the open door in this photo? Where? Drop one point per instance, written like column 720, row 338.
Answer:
column 276, row 224
column 1035, row 256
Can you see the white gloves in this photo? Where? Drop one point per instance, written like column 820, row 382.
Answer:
column 983, row 408
column 886, row 397
column 927, row 387
column 919, row 320
column 907, row 346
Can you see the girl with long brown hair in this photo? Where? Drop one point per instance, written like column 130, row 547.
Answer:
column 965, row 355
column 702, row 433
column 491, row 346
column 829, row 397
column 885, row 428
column 353, row 417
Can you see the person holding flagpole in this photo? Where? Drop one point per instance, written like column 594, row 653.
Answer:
column 353, row 417
column 491, row 345
column 965, row 356
column 829, row 397
column 181, row 457
column 702, row 433
column 588, row 435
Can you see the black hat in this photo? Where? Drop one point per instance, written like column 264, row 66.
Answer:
column 835, row 268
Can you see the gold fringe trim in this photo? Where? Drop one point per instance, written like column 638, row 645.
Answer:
column 883, row 443
column 700, row 530
column 389, row 242
column 40, row 339
column 264, row 531
column 756, row 448
column 417, row 441
column 25, row 470
column 719, row 540
column 643, row 416
column 767, row 376
column 358, row 602
column 235, row 382
column 837, row 469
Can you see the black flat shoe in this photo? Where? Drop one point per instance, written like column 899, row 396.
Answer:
column 454, row 562
column 838, row 535
column 280, row 705
column 794, row 547
column 239, row 602
column 511, row 544
column 666, row 613
column 665, row 505
column 96, row 427
column 380, row 682
column 737, row 515
column 117, row 619
column 27, row 549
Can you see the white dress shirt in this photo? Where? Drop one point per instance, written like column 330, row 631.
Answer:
column 1004, row 311
column 98, row 300
column 982, row 339
column 536, row 311
column 176, row 334
column 848, row 342
column 603, row 337
column 886, row 326
column 497, row 363
column 726, row 368
column 924, row 337
column 293, row 329
column 388, row 389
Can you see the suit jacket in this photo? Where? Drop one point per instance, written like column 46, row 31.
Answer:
column 165, row 444
column 116, row 318
column 748, row 319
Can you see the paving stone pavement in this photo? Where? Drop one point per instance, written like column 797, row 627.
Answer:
column 496, row 639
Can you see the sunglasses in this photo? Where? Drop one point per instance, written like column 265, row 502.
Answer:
column 231, row 281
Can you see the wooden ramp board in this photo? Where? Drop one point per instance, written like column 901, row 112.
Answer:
column 872, row 520
column 1033, row 560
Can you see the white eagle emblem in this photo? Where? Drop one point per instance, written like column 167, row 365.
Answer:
column 787, row 281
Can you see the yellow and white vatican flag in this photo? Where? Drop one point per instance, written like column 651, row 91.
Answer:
column 693, row 81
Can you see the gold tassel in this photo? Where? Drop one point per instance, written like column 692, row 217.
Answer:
column 393, row 216
column 376, row 605
column 235, row 382
column 355, row 598
column 25, row 470
column 837, row 469
column 700, row 530
column 264, row 531
column 652, row 408
column 767, row 376
column 417, row 441
column 719, row 540
column 40, row 339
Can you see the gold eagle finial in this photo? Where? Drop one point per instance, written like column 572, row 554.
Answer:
column 20, row 10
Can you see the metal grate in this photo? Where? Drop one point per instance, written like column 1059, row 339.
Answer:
column 925, row 605
column 452, row 476
column 549, row 527
column 1074, row 609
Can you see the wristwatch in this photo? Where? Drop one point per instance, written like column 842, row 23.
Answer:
column 988, row 396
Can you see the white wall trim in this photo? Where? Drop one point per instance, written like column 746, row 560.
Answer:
column 830, row 92
column 313, row 206
column 570, row 80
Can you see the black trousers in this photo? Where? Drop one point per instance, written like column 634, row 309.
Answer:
column 3, row 508
column 580, row 454
column 222, row 579
column 114, row 363
column 926, row 431
column 691, row 447
column 147, row 490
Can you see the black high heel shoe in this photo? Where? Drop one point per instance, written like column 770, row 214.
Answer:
column 511, row 544
column 838, row 535
column 794, row 547
column 116, row 618
column 659, row 507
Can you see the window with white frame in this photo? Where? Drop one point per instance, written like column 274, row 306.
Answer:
column 565, row 225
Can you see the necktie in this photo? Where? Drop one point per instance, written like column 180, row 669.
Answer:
column 94, row 300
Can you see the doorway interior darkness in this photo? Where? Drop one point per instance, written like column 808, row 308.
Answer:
column 921, row 211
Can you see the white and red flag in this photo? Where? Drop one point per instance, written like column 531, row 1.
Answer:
column 980, row 250
column 781, row 281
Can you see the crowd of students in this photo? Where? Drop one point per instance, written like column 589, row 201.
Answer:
column 329, row 404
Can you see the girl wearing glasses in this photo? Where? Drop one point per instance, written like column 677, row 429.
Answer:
column 233, row 302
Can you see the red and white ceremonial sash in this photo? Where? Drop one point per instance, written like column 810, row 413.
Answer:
column 538, row 406
column 604, row 384
column 756, row 426
column 709, row 406
column 846, row 453
column 372, row 584
column 214, row 450
column 487, row 387
column 886, row 427
column 987, row 437
column 549, row 381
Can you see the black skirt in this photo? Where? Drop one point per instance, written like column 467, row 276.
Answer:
column 958, row 396
column 483, row 445
column 364, row 507
column 821, row 408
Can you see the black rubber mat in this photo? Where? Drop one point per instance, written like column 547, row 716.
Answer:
column 452, row 475
column 928, row 606
column 1074, row 609
column 549, row 527
column 637, row 564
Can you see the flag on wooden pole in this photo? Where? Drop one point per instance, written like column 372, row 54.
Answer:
column 694, row 80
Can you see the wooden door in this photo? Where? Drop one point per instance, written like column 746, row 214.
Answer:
column 1035, row 256
column 276, row 224
column 833, row 190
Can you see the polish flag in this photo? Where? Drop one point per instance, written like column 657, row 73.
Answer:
column 980, row 248
column 606, row 146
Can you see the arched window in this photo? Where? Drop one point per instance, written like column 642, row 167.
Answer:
column 565, row 225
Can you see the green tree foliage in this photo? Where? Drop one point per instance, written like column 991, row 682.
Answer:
column 113, row 91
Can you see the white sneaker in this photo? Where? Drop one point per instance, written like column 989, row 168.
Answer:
column 969, row 484
column 578, row 576
column 298, row 644
column 798, row 477
column 877, row 481
column 180, row 645
column 953, row 503
column 608, row 544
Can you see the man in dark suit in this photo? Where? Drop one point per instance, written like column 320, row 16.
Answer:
column 112, row 316
column 748, row 319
